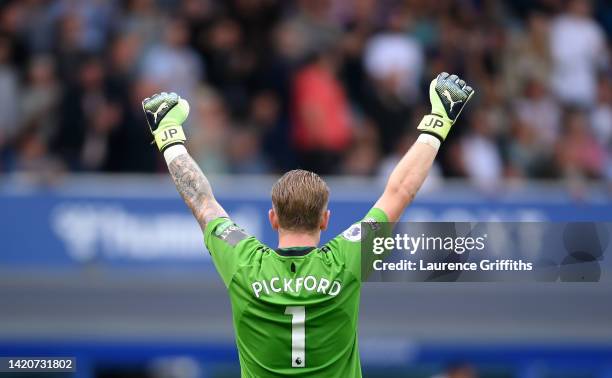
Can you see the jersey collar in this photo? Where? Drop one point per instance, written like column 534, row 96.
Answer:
column 294, row 251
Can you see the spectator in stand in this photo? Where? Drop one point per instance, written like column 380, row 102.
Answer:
column 480, row 155
column 88, row 118
column 601, row 116
column 362, row 157
column 143, row 19
column 9, row 93
column 94, row 19
column 496, row 108
column 539, row 111
column 526, row 158
column 173, row 64
column 39, row 121
column 528, row 56
column 315, row 26
column 528, row 60
column 245, row 154
column 228, row 63
column 266, row 116
column 321, row 115
column 210, row 131
column 579, row 155
column 40, row 100
column 396, row 58
column 393, row 62
column 578, row 50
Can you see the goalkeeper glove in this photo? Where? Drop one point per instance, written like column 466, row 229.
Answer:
column 165, row 113
column 448, row 95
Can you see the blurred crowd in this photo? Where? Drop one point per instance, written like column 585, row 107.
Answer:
column 336, row 86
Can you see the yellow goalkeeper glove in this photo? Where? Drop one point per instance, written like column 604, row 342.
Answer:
column 166, row 113
column 448, row 95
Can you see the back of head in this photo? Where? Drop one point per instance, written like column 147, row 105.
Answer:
column 300, row 199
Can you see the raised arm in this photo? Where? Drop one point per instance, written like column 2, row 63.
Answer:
column 193, row 186
column 165, row 114
column 448, row 95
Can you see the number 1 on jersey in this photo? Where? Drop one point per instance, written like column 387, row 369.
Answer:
column 298, row 335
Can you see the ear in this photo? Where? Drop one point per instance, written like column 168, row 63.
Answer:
column 273, row 218
column 324, row 221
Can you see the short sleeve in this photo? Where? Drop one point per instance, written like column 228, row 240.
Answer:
column 229, row 246
column 348, row 244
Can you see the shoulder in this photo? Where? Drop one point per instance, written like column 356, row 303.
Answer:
column 355, row 233
column 225, row 232
column 225, row 229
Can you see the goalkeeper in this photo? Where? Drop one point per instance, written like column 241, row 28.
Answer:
column 295, row 307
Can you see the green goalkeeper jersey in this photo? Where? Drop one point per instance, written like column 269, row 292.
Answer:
column 295, row 310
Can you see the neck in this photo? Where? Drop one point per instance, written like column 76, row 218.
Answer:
column 289, row 239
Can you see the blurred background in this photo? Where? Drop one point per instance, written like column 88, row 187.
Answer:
column 101, row 260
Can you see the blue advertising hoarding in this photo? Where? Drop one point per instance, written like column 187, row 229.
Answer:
column 132, row 224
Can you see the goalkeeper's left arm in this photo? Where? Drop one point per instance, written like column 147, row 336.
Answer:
column 448, row 95
column 165, row 114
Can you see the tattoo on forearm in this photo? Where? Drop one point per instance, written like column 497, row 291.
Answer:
column 195, row 189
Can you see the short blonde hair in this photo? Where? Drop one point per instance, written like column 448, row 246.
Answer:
column 299, row 199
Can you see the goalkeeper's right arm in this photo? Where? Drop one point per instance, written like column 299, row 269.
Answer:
column 165, row 114
column 448, row 95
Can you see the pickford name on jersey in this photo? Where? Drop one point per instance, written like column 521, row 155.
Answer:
column 312, row 284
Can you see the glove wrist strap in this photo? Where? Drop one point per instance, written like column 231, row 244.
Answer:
column 169, row 135
column 435, row 125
